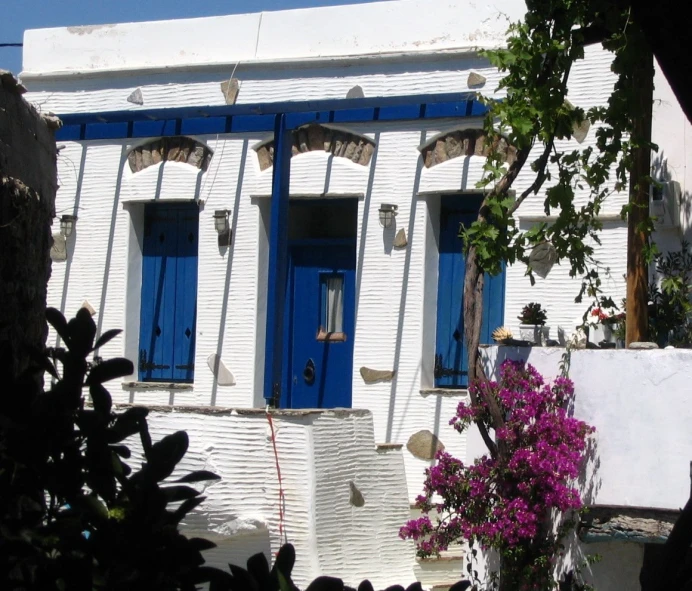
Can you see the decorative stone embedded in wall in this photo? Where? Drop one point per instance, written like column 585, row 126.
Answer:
column 400, row 239
column 230, row 89
column 476, row 80
column 356, row 148
column 170, row 149
column 88, row 307
column 355, row 92
column 136, row 97
column 58, row 251
column 356, row 497
column 466, row 142
column 372, row 376
column 579, row 131
column 223, row 375
column 424, row 445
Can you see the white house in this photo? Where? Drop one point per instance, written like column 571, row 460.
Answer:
column 269, row 205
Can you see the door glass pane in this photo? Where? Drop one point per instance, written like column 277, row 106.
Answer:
column 333, row 303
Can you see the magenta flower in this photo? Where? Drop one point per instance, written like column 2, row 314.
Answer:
column 504, row 503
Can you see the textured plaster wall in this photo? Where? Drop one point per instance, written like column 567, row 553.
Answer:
column 395, row 321
column 319, row 455
column 396, row 294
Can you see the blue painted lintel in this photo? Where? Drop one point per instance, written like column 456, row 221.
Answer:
column 278, row 261
column 260, row 117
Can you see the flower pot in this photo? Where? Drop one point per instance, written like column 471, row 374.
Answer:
column 599, row 333
column 534, row 333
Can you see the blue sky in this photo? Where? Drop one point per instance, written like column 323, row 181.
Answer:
column 36, row 14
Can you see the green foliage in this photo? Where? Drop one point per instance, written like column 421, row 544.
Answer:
column 535, row 115
column 533, row 314
column 74, row 514
column 670, row 308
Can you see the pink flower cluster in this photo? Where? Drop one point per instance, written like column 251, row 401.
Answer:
column 504, row 502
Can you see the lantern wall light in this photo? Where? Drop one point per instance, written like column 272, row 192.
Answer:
column 387, row 214
column 67, row 224
column 223, row 226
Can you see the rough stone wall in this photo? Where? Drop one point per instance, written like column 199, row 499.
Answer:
column 27, row 202
column 358, row 149
column 173, row 149
column 468, row 142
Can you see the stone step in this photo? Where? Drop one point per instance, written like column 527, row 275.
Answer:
column 430, row 571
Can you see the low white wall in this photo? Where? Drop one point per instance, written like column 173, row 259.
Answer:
column 641, row 405
column 319, row 454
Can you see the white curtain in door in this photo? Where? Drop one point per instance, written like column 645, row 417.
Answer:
column 335, row 304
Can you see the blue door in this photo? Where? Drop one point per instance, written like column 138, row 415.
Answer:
column 451, row 355
column 321, row 313
column 169, row 293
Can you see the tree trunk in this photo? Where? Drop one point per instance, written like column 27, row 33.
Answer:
column 637, row 267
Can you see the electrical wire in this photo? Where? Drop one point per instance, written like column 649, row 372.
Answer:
column 282, row 497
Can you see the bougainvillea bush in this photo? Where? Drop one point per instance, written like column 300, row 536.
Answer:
column 513, row 501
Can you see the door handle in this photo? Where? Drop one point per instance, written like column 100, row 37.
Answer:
column 309, row 372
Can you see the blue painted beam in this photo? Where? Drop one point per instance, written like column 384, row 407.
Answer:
column 260, row 117
column 278, row 260
column 274, row 108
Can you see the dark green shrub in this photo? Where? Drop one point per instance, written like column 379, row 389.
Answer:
column 73, row 514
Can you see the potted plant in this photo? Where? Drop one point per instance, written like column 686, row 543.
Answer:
column 532, row 327
column 606, row 328
column 600, row 329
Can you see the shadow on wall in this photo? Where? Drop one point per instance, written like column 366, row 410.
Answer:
column 228, row 251
column 661, row 173
column 237, row 548
column 402, row 300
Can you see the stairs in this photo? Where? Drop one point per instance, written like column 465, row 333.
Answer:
column 441, row 572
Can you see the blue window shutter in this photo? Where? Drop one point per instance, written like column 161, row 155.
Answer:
column 451, row 356
column 169, row 290
column 186, row 295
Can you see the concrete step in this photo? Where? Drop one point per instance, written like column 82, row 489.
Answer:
column 433, row 571
column 443, row 586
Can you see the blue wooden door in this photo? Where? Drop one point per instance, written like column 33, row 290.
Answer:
column 451, row 355
column 321, row 305
column 169, row 293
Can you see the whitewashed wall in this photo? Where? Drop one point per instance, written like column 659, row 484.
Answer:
column 640, row 404
column 395, row 324
column 319, row 454
column 395, row 321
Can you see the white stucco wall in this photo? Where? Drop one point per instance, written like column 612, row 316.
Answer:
column 319, row 453
column 389, row 49
column 332, row 32
column 396, row 309
column 641, row 406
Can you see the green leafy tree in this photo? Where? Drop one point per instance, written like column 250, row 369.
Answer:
column 533, row 116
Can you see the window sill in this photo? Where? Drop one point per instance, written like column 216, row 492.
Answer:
column 156, row 386
column 449, row 392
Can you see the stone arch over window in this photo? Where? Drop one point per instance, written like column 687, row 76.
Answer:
column 463, row 142
column 170, row 149
column 309, row 138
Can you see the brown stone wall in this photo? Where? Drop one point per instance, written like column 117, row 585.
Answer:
column 27, row 202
